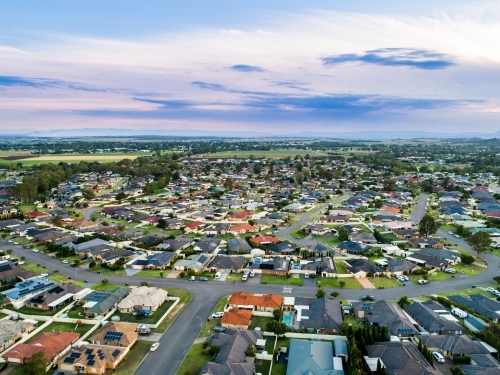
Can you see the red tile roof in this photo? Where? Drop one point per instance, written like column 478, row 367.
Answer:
column 51, row 344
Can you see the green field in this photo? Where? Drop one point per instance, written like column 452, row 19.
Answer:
column 258, row 154
column 70, row 158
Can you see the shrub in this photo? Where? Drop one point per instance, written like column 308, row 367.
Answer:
column 334, row 294
column 497, row 279
column 461, row 359
column 182, row 274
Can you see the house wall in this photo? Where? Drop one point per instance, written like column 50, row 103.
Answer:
column 234, row 326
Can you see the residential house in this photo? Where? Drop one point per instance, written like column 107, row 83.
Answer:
column 110, row 257
column 425, row 243
column 353, row 247
column 312, row 357
column 398, row 358
column 217, row 229
column 487, row 307
column 224, row 263
column 395, row 266
column 316, row 229
column 24, row 290
column 54, row 298
column 92, row 359
column 236, row 319
column 384, row 313
column 362, row 268
column 243, row 228
column 194, row 227
column 453, row 345
column 363, row 238
column 196, row 262
column 276, row 266
column 321, row 266
column 431, row 262
column 334, row 219
column 143, row 299
column 405, row 234
column 208, row 246
column 51, row 344
column 239, row 245
column 115, row 334
column 257, row 302
column 431, row 321
column 232, row 357
column 99, row 303
column 264, row 240
column 11, row 331
column 157, row 261
column 9, row 273
column 281, row 248
column 314, row 315
column 176, row 244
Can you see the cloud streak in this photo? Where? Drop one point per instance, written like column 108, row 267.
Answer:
column 247, row 68
column 408, row 57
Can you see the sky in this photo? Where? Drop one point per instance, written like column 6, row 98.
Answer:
column 268, row 66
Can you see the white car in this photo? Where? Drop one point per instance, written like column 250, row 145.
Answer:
column 406, row 278
column 217, row 275
column 439, row 357
column 44, row 275
column 450, row 232
column 422, row 282
column 15, row 243
column 252, row 274
column 65, row 261
column 244, row 278
column 491, row 290
column 35, row 250
column 154, row 346
column 218, row 314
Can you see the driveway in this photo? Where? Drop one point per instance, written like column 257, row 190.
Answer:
column 445, row 367
column 366, row 283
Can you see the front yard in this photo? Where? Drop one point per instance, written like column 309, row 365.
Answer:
column 385, row 282
column 194, row 360
column 333, row 282
column 152, row 273
column 282, row 280
column 149, row 319
column 133, row 358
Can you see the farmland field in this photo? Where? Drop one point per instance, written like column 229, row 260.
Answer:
column 68, row 158
column 273, row 154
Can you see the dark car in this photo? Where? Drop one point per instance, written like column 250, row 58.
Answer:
column 3, row 366
column 367, row 298
column 203, row 278
column 74, row 265
column 312, row 275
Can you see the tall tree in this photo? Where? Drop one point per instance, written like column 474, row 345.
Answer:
column 427, row 225
column 404, row 300
column 480, row 241
column 35, row 365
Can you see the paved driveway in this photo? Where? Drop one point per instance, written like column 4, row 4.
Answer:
column 366, row 283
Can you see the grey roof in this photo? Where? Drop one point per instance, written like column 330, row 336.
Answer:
column 440, row 253
column 357, row 265
column 385, row 313
column 401, row 358
column 456, row 344
column 430, row 320
column 354, row 247
column 322, row 313
column 323, row 264
column 238, row 244
column 363, row 237
column 207, row 246
column 397, row 265
column 105, row 300
column 231, row 359
column 227, row 262
column 282, row 247
column 310, row 357
column 482, row 305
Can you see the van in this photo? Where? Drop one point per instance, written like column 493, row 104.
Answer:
column 460, row 313
column 439, row 357
column 217, row 275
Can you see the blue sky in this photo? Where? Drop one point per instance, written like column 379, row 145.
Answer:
column 275, row 66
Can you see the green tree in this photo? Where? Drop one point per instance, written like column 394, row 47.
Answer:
column 104, row 281
column 276, row 327
column 36, row 364
column 320, row 293
column 57, row 221
column 389, row 184
column 343, row 234
column 278, row 314
column 480, row 242
column 457, row 371
column 88, row 194
column 466, row 259
column 427, row 226
column 148, row 189
column 342, row 283
column 404, row 300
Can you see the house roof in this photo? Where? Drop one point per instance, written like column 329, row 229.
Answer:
column 456, row 344
column 266, row 300
column 51, row 344
column 227, row 262
column 145, row 297
column 237, row 317
column 430, row 320
column 264, row 240
column 104, row 335
column 307, row 357
column 92, row 356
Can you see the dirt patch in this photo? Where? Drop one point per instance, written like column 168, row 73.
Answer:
column 19, row 157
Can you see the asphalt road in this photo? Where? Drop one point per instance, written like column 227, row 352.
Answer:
column 419, row 209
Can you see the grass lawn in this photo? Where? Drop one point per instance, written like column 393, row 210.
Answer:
column 349, row 319
column 194, row 360
column 106, row 271
column 385, row 282
column 340, row 265
column 26, row 207
column 35, row 268
column 333, row 282
column 150, row 319
column 30, row 311
column 107, row 287
column 207, row 329
column 185, row 297
column 263, row 368
column 60, row 278
column 74, row 311
column 297, row 233
column 152, row 273
column 259, row 321
column 133, row 358
column 64, row 327
column 434, row 276
column 279, row 369
column 448, row 227
column 274, row 279
column 467, row 292
column 469, row 270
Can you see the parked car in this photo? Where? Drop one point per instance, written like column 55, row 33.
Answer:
column 217, row 275
column 65, row 261
column 422, row 281
column 74, row 265
column 312, row 275
column 4, row 365
column 367, row 298
column 203, row 278
column 306, row 276
column 192, row 278
column 219, row 329
column 438, row 356
column 491, row 290
column 44, row 275
column 252, row 274
column 154, row 346
column 218, row 314
column 244, row 278
column 35, row 250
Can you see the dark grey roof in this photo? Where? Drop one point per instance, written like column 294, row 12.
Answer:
column 321, row 264
column 430, row 320
column 227, row 262
column 282, row 247
column 397, row 265
column 322, row 313
column 354, row 247
column 357, row 265
column 238, row 244
column 456, row 344
column 482, row 305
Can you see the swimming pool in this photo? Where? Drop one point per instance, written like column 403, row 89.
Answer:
column 287, row 319
column 257, row 260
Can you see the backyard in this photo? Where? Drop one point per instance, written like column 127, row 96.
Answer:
column 148, row 319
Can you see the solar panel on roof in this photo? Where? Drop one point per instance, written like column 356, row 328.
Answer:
column 5, row 267
column 88, row 351
column 90, row 363
column 115, row 353
column 75, row 355
column 69, row 360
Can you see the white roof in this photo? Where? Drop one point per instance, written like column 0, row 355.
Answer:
column 89, row 304
column 289, row 301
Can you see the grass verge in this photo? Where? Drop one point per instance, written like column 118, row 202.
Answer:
column 194, row 360
column 133, row 358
